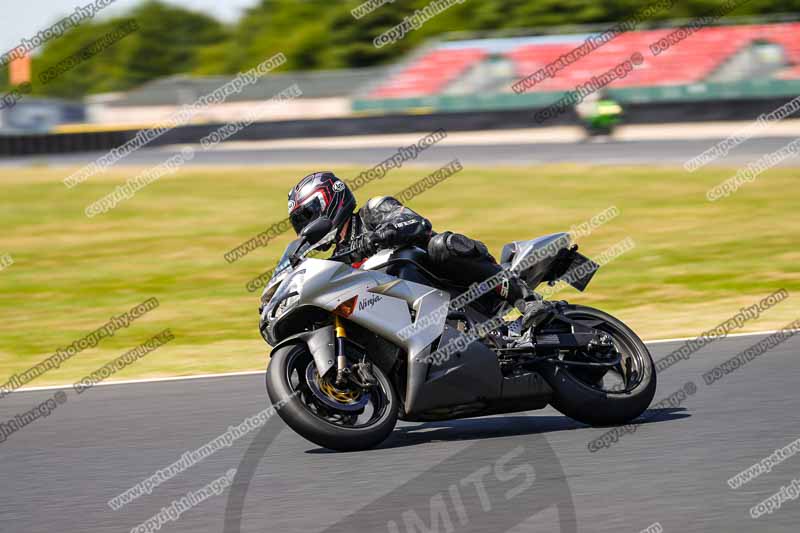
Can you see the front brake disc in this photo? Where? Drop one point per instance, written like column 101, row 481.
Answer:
column 330, row 396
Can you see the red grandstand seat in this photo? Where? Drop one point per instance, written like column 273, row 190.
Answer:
column 691, row 60
column 429, row 74
column 688, row 61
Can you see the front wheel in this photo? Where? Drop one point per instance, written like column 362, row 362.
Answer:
column 344, row 420
column 601, row 397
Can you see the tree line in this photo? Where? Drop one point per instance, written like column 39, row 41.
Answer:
column 313, row 34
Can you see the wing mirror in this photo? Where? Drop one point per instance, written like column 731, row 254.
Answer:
column 313, row 233
column 316, row 230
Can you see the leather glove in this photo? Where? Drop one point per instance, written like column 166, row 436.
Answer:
column 386, row 236
column 363, row 245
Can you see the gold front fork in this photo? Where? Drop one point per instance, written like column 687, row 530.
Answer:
column 339, row 325
column 341, row 360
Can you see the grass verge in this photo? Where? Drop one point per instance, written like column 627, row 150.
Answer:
column 695, row 263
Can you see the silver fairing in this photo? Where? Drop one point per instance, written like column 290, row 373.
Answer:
column 384, row 304
column 532, row 258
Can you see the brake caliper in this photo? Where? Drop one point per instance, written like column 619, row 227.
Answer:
column 363, row 375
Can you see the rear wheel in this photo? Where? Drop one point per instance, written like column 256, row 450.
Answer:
column 600, row 396
column 339, row 419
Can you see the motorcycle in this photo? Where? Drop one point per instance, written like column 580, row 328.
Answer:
column 355, row 348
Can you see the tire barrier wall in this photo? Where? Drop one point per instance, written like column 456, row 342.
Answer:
column 649, row 113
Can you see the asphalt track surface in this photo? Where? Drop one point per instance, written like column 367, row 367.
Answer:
column 661, row 152
column 522, row 472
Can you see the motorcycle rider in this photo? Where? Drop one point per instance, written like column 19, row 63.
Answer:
column 386, row 223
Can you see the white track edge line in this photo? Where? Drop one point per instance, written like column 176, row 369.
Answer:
column 252, row 372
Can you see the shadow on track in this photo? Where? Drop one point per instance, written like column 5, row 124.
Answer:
column 497, row 427
column 540, row 457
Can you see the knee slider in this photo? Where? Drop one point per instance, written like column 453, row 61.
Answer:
column 437, row 248
column 447, row 245
column 462, row 246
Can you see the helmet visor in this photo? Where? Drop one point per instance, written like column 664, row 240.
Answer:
column 305, row 213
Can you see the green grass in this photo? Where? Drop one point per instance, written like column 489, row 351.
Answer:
column 695, row 263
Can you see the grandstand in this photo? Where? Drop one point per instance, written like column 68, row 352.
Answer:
column 456, row 78
column 722, row 54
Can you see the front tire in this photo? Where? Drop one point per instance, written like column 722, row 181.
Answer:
column 576, row 396
column 287, row 377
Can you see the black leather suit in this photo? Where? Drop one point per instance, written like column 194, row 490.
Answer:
column 386, row 223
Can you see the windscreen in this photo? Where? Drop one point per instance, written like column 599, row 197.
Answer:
column 295, row 248
column 283, row 263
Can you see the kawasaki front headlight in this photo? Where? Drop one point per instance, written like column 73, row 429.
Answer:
column 287, row 294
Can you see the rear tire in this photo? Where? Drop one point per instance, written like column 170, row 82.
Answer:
column 584, row 403
column 300, row 418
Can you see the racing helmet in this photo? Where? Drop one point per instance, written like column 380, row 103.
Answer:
column 320, row 194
